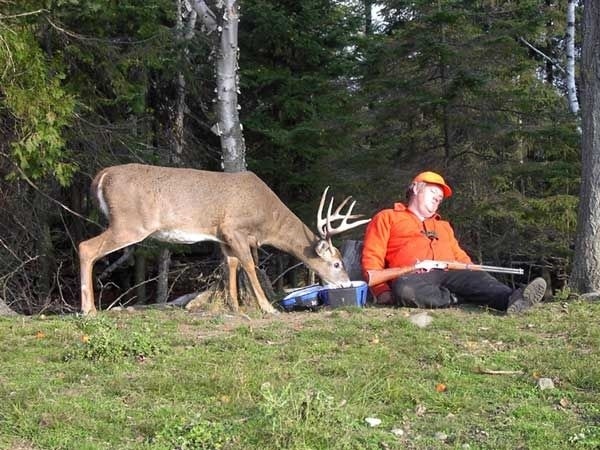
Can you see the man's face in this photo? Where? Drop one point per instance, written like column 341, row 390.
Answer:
column 428, row 199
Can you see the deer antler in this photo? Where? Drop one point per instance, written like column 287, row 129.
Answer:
column 326, row 230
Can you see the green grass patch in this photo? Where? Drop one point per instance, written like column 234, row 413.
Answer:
column 172, row 380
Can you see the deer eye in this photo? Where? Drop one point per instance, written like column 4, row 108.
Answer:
column 337, row 265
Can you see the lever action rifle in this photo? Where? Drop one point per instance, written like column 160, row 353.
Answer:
column 381, row 276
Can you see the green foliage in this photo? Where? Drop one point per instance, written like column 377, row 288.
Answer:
column 522, row 212
column 104, row 340
column 444, row 104
column 199, row 434
column 450, row 86
column 564, row 294
column 529, row 228
column 123, row 59
column 286, row 408
column 293, row 417
column 38, row 106
column 295, row 99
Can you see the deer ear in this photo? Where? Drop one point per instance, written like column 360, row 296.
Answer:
column 323, row 249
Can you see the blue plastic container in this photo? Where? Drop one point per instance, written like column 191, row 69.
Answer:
column 302, row 299
column 354, row 295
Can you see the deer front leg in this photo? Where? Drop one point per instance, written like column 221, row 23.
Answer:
column 263, row 301
column 232, row 266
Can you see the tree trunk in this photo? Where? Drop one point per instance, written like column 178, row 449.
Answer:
column 44, row 247
column 570, row 37
column 586, row 266
column 162, row 284
column 140, row 278
column 444, row 93
column 368, row 17
column 229, row 127
column 184, row 34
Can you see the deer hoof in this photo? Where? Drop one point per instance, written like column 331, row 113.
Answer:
column 93, row 312
column 271, row 310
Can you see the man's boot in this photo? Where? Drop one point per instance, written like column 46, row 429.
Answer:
column 525, row 298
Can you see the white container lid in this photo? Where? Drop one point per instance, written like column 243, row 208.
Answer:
column 352, row 284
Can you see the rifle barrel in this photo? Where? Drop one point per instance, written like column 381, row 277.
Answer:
column 500, row 269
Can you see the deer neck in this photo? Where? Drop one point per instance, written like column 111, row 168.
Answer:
column 292, row 236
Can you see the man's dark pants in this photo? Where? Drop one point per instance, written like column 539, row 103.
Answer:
column 442, row 288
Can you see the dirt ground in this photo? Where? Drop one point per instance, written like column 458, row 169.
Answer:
column 224, row 322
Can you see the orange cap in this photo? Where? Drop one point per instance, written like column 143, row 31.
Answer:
column 434, row 178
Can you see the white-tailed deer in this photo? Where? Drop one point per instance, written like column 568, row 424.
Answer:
column 238, row 210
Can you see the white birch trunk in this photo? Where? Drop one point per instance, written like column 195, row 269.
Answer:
column 570, row 42
column 228, row 126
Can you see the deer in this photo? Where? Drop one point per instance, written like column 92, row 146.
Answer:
column 237, row 210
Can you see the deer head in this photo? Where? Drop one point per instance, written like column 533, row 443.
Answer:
column 324, row 248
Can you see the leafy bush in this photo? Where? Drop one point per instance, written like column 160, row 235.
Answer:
column 200, row 434
column 103, row 340
column 41, row 109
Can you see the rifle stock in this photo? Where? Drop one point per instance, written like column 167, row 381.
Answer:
column 376, row 277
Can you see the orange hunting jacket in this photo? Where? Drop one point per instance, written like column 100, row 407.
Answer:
column 397, row 238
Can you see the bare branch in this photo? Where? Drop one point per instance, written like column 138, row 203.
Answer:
column 25, row 14
column 485, row 371
column 208, row 18
column 53, row 200
column 543, row 55
column 114, row 266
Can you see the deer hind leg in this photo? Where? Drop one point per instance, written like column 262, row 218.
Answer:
column 92, row 250
column 238, row 246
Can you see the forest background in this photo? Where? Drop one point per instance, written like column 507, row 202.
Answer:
column 330, row 94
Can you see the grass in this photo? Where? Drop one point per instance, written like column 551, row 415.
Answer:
column 168, row 379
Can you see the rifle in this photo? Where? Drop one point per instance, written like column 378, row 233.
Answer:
column 375, row 277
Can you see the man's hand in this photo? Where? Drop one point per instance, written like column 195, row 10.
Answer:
column 429, row 264
column 385, row 298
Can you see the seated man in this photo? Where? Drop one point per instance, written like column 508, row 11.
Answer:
column 407, row 234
